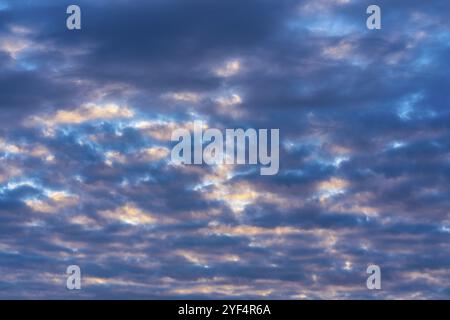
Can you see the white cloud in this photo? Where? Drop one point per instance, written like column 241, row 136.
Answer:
column 230, row 68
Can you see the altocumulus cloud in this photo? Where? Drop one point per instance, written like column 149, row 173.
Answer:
column 85, row 123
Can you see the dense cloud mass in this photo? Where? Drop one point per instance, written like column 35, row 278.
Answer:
column 85, row 174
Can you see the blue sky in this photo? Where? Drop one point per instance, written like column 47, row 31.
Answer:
column 85, row 124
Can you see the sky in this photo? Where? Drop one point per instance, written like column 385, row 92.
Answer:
column 86, row 118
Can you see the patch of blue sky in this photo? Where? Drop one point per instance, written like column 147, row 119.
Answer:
column 335, row 26
column 28, row 66
column 407, row 106
column 3, row 5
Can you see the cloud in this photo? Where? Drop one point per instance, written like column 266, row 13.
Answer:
column 129, row 214
column 85, row 126
column 230, row 68
column 85, row 113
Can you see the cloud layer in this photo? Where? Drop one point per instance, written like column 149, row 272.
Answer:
column 85, row 124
